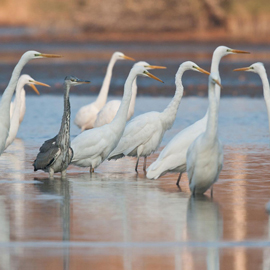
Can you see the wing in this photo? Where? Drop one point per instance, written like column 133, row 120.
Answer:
column 47, row 145
column 137, row 132
column 107, row 113
column 46, row 158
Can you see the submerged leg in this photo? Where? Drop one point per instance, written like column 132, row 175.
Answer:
column 51, row 173
column 136, row 167
column 212, row 191
column 193, row 193
column 178, row 180
column 64, row 174
column 144, row 164
column 90, row 170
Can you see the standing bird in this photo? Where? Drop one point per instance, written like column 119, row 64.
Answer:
column 144, row 133
column 55, row 154
column 22, row 99
column 260, row 70
column 205, row 154
column 108, row 112
column 8, row 93
column 173, row 157
column 86, row 116
column 93, row 146
column 17, row 112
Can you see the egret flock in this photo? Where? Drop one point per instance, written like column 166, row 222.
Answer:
column 106, row 134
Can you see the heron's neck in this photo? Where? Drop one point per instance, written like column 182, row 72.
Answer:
column 266, row 92
column 119, row 121
column 215, row 69
column 133, row 97
column 8, row 93
column 15, row 119
column 103, row 93
column 63, row 135
column 212, row 121
column 22, row 112
column 169, row 114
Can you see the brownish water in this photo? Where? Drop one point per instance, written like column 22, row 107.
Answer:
column 118, row 220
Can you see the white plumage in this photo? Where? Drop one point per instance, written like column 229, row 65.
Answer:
column 205, row 154
column 8, row 93
column 108, row 112
column 173, row 156
column 87, row 115
column 19, row 102
column 93, row 146
column 144, row 133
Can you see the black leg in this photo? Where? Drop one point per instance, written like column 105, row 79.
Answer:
column 136, row 167
column 178, row 180
column 212, row 191
column 144, row 164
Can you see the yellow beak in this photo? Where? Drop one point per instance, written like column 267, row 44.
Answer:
column 152, row 76
column 217, row 82
column 155, row 67
column 38, row 83
column 202, row 70
column 128, row 58
column 50, row 55
column 242, row 69
column 238, row 51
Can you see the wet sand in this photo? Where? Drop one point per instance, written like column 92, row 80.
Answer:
column 116, row 219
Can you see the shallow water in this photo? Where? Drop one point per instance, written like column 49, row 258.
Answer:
column 116, row 219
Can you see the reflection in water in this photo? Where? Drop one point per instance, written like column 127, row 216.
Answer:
column 204, row 223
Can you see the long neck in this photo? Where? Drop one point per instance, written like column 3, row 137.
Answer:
column 266, row 93
column 120, row 119
column 212, row 121
column 215, row 69
column 63, row 135
column 22, row 111
column 8, row 93
column 133, row 97
column 169, row 114
column 103, row 94
column 15, row 120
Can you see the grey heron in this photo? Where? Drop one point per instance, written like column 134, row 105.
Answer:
column 55, row 154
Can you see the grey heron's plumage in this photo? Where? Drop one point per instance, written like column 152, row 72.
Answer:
column 55, row 154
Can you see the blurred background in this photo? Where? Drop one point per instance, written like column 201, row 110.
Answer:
column 165, row 32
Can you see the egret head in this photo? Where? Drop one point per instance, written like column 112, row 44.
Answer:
column 256, row 68
column 223, row 50
column 121, row 56
column 147, row 66
column 26, row 79
column 142, row 71
column 73, row 81
column 189, row 65
column 214, row 78
column 35, row 54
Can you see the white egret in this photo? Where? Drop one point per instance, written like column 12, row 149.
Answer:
column 86, row 116
column 22, row 100
column 260, row 70
column 108, row 112
column 173, row 156
column 92, row 147
column 55, row 154
column 205, row 154
column 15, row 119
column 8, row 93
column 144, row 133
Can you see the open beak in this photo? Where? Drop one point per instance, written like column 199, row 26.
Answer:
column 38, row 83
column 153, row 77
column 155, row 67
column 128, row 58
column 83, row 82
column 242, row 69
column 238, row 51
column 202, row 70
column 218, row 83
column 50, row 55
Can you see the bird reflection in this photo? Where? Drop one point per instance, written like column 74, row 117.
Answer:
column 204, row 223
column 62, row 188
